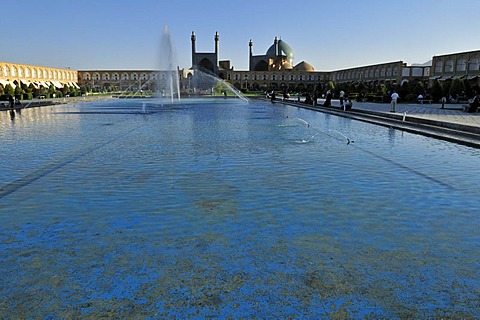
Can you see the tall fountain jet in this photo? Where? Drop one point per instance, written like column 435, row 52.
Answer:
column 168, row 82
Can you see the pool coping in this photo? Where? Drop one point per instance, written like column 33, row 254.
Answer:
column 452, row 132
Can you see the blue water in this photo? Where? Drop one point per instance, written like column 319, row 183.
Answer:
column 224, row 209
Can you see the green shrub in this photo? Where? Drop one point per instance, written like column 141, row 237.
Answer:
column 27, row 96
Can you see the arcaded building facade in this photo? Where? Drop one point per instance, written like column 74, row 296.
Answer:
column 16, row 74
column 462, row 65
column 276, row 69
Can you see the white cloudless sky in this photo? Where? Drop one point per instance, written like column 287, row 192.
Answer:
column 330, row 35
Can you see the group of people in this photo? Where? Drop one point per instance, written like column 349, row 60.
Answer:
column 346, row 103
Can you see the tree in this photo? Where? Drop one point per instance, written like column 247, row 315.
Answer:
column 418, row 88
column 8, row 90
column 457, row 88
column 381, row 90
column 51, row 89
column 361, row 87
column 329, row 86
column 18, row 91
column 404, row 91
column 437, row 90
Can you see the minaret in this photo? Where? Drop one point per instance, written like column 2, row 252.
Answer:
column 275, row 42
column 217, row 57
column 250, row 44
column 193, row 48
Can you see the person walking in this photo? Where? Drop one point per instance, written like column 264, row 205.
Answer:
column 12, row 102
column 328, row 99
column 394, row 97
column 342, row 98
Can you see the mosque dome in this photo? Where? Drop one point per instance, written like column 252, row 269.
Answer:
column 283, row 50
column 304, row 66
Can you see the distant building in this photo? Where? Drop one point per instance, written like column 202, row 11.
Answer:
column 17, row 74
column 462, row 65
column 129, row 80
column 276, row 70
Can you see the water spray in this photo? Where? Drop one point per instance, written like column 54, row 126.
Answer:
column 347, row 138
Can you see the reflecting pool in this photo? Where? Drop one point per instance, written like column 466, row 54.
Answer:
column 217, row 208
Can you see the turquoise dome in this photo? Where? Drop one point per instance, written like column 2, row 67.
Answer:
column 283, row 50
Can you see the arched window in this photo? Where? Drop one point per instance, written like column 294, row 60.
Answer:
column 461, row 64
column 34, row 73
column 438, row 66
column 473, row 64
column 14, row 71
column 96, row 76
column 6, row 71
column 449, row 65
column 124, row 76
column 86, row 76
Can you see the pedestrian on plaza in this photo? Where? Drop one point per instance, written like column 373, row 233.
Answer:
column 12, row 102
column 342, row 97
column 328, row 99
column 272, row 96
column 347, row 104
column 473, row 106
column 443, row 101
column 394, row 97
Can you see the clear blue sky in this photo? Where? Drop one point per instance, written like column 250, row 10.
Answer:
column 330, row 35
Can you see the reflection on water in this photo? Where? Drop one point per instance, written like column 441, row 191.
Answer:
column 212, row 210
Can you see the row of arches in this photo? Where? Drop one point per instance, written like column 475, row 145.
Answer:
column 460, row 65
column 125, row 76
column 368, row 73
column 281, row 86
column 273, row 77
column 34, row 73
